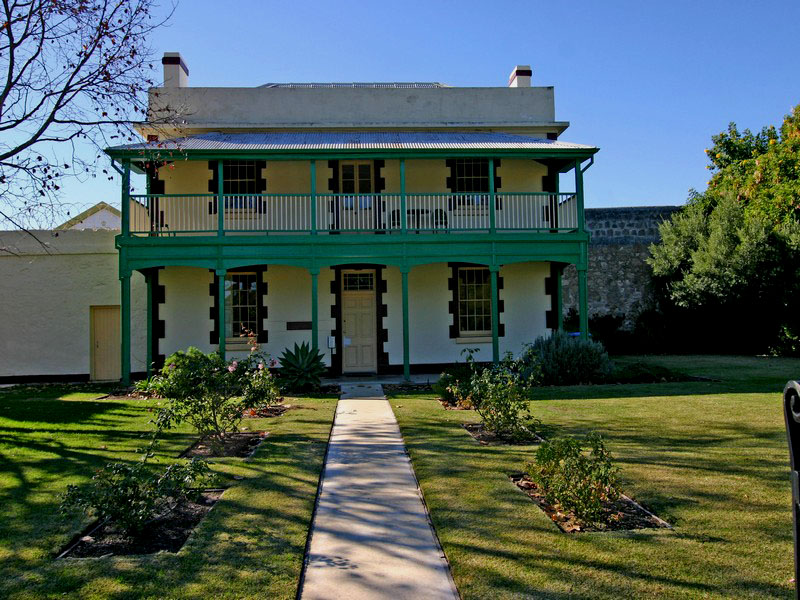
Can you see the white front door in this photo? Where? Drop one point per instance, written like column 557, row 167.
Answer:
column 359, row 340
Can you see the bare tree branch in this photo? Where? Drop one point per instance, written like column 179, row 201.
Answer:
column 70, row 71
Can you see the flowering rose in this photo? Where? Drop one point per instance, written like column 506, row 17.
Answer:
column 260, row 366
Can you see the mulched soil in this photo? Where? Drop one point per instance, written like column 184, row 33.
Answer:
column 623, row 515
column 487, row 438
column 399, row 388
column 167, row 533
column 447, row 406
column 240, row 445
column 276, row 410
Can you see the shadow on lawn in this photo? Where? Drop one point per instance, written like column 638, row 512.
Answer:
column 590, row 562
column 254, row 537
column 656, row 390
column 56, row 410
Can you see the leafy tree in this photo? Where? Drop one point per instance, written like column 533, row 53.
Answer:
column 761, row 171
column 74, row 78
column 727, row 266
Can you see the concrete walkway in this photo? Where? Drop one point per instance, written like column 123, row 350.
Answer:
column 371, row 538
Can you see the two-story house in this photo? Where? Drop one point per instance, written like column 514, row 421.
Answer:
column 389, row 225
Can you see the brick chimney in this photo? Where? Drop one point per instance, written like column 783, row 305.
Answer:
column 176, row 73
column 520, row 76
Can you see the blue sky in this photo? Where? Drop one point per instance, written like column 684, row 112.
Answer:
column 647, row 82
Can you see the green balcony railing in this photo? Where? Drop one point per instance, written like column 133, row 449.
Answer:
column 199, row 214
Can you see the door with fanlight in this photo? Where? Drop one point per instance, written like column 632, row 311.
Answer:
column 356, row 206
column 359, row 320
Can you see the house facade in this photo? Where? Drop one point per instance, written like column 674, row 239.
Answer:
column 388, row 225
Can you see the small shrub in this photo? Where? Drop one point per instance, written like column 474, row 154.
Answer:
column 568, row 360
column 503, row 404
column 211, row 393
column 261, row 390
column 527, row 369
column 460, row 385
column 131, row 496
column 580, row 480
column 449, row 386
column 301, row 368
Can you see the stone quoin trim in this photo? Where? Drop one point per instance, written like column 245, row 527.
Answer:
column 155, row 186
column 550, row 184
column 378, row 185
column 381, row 311
column 333, row 205
column 551, row 289
column 159, row 325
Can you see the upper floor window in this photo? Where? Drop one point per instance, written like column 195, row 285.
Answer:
column 240, row 177
column 356, row 177
column 471, row 175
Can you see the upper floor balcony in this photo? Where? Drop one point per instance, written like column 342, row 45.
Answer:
column 258, row 214
column 401, row 183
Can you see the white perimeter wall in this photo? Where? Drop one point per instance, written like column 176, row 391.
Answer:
column 45, row 299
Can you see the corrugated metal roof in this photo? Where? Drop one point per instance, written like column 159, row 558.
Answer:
column 392, row 140
column 386, row 84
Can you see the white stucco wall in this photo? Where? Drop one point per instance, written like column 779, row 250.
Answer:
column 504, row 108
column 45, row 300
column 525, row 306
column 288, row 298
column 186, row 309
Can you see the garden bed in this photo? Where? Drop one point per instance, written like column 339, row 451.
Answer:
column 624, row 514
column 447, row 406
column 238, row 445
column 167, row 533
column 400, row 388
column 487, row 438
column 275, row 410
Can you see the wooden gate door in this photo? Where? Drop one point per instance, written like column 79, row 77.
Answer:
column 105, row 352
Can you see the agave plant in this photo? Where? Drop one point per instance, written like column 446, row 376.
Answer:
column 301, row 368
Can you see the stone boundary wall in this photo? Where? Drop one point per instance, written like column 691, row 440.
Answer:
column 618, row 278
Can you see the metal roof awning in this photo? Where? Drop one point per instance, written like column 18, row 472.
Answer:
column 358, row 142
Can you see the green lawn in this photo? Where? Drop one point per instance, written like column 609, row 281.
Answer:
column 250, row 546
column 710, row 457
